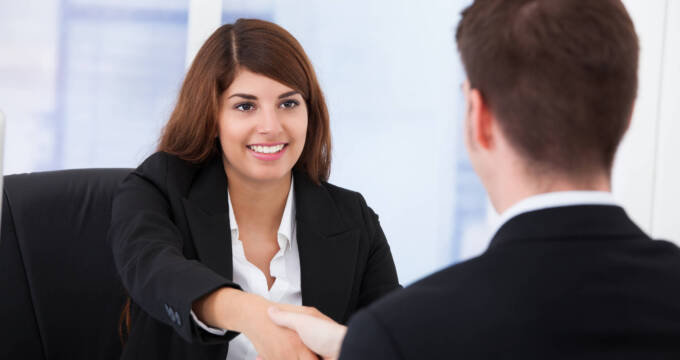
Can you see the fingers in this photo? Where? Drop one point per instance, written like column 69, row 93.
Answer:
column 296, row 309
column 303, row 324
column 287, row 319
column 298, row 321
column 321, row 336
column 307, row 310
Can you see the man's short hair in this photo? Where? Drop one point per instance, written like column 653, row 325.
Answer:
column 560, row 76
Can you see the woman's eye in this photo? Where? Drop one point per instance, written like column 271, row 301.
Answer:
column 289, row 104
column 245, row 107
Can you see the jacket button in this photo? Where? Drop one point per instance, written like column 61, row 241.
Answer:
column 171, row 314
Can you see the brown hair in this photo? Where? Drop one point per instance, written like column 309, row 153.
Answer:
column 560, row 76
column 261, row 47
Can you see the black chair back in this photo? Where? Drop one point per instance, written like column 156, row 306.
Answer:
column 60, row 294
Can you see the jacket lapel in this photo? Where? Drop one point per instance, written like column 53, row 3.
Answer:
column 328, row 250
column 208, row 217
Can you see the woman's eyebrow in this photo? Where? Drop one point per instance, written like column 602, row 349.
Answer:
column 287, row 94
column 253, row 97
column 245, row 96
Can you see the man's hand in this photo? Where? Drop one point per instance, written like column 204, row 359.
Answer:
column 318, row 332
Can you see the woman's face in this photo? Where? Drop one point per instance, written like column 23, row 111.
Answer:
column 262, row 127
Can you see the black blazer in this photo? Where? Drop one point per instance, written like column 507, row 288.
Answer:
column 171, row 244
column 577, row 282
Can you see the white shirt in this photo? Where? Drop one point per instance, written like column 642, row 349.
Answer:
column 284, row 267
column 551, row 200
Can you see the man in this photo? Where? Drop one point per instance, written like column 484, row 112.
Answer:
column 550, row 93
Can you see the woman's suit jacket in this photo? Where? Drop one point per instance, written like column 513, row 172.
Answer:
column 171, row 244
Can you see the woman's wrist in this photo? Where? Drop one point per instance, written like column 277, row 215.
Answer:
column 253, row 310
column 223, row 308
column 230, row 305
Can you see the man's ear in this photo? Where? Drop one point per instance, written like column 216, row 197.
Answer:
column 630, row 117
column 481, row 120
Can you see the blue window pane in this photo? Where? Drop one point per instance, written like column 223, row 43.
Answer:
column 98, row 88
column 120, row 68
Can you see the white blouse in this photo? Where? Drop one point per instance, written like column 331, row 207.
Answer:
column 284, row 267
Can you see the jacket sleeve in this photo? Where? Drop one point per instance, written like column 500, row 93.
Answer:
column 380, row 275
column 367, row 338
column 147, row 250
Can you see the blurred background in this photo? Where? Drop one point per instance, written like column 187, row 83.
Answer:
column 90, row 83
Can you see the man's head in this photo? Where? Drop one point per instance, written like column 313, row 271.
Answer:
column 556, row 79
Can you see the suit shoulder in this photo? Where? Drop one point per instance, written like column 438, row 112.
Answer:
column 445, row 288
column 425, row 312
column 350, row 203
column 340, row 193
column 166, row 170
column 161, row 161
column 667, row 246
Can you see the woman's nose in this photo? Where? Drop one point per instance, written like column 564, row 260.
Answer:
column 269, row 122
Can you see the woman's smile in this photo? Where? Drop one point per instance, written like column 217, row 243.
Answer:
column 267, row 152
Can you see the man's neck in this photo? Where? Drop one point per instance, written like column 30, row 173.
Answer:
column 511, row 190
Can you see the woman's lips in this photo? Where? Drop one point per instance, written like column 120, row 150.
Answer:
column 268, row 152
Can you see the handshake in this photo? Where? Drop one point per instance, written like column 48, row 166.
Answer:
column 316, row 331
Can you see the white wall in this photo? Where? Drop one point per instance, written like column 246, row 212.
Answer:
column 204, row 18
column 646, row 173
column 665, row 218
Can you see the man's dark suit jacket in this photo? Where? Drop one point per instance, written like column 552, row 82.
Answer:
column 171, row 244
column 578, row 282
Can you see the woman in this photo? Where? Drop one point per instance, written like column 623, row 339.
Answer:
column 233, row 214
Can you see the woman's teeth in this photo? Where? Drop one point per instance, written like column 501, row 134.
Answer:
column 266, row 149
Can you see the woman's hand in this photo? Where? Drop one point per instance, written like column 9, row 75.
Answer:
column 271, row 341
column 321, row 334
